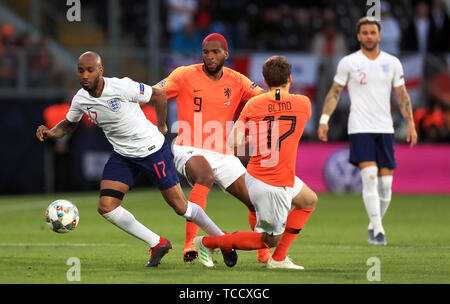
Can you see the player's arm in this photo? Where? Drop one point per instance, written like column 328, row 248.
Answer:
column 236, row 138
column 62, row 129
column 331, row 101
column 404, row 103
column 159, row 98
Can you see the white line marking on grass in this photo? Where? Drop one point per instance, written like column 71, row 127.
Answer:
column 24, row 206
column 58, row 244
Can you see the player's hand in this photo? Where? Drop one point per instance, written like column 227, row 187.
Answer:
column 42, row 133
column 163, row 129
column 411, row 135
column 322, row 132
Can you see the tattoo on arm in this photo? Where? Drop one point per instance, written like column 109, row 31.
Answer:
column 67, row 126
column 332, row 99
column 404, row 103
column 63, row 128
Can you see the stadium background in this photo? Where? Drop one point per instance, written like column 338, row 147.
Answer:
column 145, row 40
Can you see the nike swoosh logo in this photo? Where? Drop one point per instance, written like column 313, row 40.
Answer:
column 89, row 108
column 196, row 90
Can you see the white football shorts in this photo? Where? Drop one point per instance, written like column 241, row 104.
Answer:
column 272, row 203
column 226, row 168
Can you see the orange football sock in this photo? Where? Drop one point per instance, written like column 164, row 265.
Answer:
column 198, row 196
column 263, row 254
column 252, row 219
column 242, row 240
column 296, row 220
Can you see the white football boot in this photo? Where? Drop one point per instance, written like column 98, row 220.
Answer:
column 205, row 255
column 286, row 264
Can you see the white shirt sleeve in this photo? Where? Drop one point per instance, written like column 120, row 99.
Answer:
column 137, row 91
column 342, row 73
column 75, row 113
column 398, row 79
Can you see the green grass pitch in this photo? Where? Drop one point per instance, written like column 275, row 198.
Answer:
column 332, row 247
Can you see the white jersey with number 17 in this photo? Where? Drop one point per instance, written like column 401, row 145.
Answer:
column 118, row 113
column 369, row 85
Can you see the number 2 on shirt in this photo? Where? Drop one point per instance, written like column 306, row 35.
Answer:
column 362, row 80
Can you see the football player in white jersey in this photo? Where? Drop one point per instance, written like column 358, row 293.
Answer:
column 369, row 75
column 139, row 147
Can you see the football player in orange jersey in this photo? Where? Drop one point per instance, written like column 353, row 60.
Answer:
column 275, row 122
column 207, row 97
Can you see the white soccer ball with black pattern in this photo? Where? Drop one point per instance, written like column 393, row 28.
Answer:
column 62, row 216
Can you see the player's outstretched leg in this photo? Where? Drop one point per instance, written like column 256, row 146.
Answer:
column 192, row 212
column 111, row 195
column 242, row 240
column 239, row 190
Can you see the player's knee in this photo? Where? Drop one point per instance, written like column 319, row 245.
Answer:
column 312, row 201
column 103, row 208
column 271, row 240
column 369, row 178
column 206, row 179
column 180, row 210
column 199, row 171
column 109, row 200
column 306, row 200
column 179, row 206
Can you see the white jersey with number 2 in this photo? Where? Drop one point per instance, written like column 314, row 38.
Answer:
column 118, row 113
column 369, row 84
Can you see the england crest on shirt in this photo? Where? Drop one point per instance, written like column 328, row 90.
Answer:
column 114, row 104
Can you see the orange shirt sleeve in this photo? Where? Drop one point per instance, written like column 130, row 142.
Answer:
column 172, row 83
column 249, row 88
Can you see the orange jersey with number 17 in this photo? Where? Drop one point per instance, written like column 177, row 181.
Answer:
column 275, row 122
column 206, row 108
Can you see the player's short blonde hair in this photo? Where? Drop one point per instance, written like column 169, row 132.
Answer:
column 367, row 20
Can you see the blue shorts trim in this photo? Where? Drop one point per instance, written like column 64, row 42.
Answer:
column 158, row 168
column 377, row 147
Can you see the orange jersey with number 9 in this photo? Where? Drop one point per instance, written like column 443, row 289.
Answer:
column 206, row 108
column 275, row 122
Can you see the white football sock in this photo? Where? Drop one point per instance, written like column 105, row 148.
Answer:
column 369, row 176
column 385, row 192
column 195, row 213
column 123, row 219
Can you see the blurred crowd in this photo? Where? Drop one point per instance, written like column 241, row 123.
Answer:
column 322, row 27
column 19, row 52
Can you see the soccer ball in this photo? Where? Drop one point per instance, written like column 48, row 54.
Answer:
column 62, row 216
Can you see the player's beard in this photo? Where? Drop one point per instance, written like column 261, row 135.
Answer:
column 94, row 85
column 369, row 49
column 216, row 70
